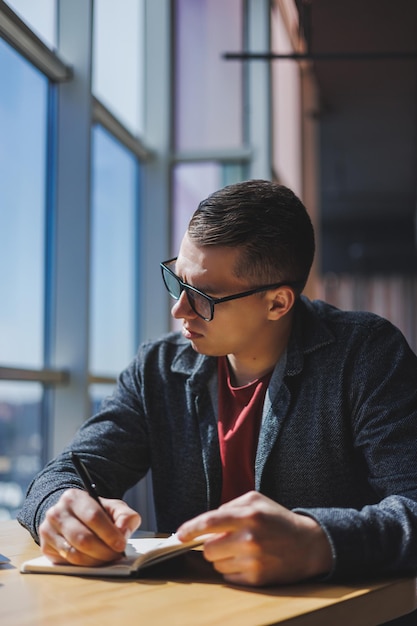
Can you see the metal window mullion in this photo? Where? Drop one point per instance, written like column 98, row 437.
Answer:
column 70, row 327
column 105, row 118
column 26, row 42
column 156, row 175
column 97, row 379
column 238, row 155
column 44, row 376
column 258, row 90
column 155, row 191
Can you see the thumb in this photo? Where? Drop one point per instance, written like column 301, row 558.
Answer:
column 125, row 519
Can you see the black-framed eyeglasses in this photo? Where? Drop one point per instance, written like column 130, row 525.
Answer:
column 202, row 304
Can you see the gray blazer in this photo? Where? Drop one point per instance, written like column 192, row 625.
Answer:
column 338, row 439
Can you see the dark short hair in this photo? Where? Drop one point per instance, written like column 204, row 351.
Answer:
column 267, row 221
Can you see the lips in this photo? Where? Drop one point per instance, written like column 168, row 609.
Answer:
column 190, row 334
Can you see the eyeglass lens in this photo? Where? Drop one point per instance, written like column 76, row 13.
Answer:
column 172, row 283
column 198, row 303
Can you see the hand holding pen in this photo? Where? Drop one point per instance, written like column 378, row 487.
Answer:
column 88, row 482
column 71, row 531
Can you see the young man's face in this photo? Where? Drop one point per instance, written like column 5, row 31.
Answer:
column 237, row 325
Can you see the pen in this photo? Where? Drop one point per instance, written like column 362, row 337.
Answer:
column 88, row 482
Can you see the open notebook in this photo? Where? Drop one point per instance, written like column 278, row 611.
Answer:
column 140, row 553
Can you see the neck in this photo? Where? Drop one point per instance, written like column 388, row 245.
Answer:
column 246, row 368
column 243, row 376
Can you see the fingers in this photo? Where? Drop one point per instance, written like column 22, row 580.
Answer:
column 241, row 560
column 65, row 550
column 228, row 518
column 256, row 541
column 78, row 531
column 241, row 571
column 211, row 522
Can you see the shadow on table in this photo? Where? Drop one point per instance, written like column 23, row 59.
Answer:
column 193, row 568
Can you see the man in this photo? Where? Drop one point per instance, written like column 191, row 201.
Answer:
column 285, row 428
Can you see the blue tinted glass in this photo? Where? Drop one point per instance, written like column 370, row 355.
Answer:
column 113, row 236
column 98, row 393
column 208, row 89
column 191, row 183
column 20, row 442
column 23, row 133
column 39, row 16
column 117, row 70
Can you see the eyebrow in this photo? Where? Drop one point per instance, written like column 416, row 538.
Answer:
column 209, row 290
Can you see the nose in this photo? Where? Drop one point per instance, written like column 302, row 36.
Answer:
column 182, row 309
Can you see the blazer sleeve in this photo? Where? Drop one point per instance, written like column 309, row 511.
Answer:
column 381, row 538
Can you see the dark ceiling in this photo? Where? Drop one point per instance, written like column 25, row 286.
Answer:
column 368, row 131
column 360, row 26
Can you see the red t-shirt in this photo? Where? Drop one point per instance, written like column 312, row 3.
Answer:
column 239, row 422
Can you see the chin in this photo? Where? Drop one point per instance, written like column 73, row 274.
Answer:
column 207, row 351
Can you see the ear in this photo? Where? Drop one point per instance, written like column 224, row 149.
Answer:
column 280, row 302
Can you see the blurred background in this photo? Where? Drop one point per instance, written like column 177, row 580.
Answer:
column 118, row 117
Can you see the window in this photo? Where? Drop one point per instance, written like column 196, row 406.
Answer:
column 192, row 183
column 23, row 158
column 208, row 95
column 113, row 255
column 94, row 191
column 118, row 59
column 21, row 429
column 39, row 15
column 23, row 116
column 40, row 294
column 287, row 110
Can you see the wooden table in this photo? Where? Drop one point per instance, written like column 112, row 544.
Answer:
column 183, row 592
